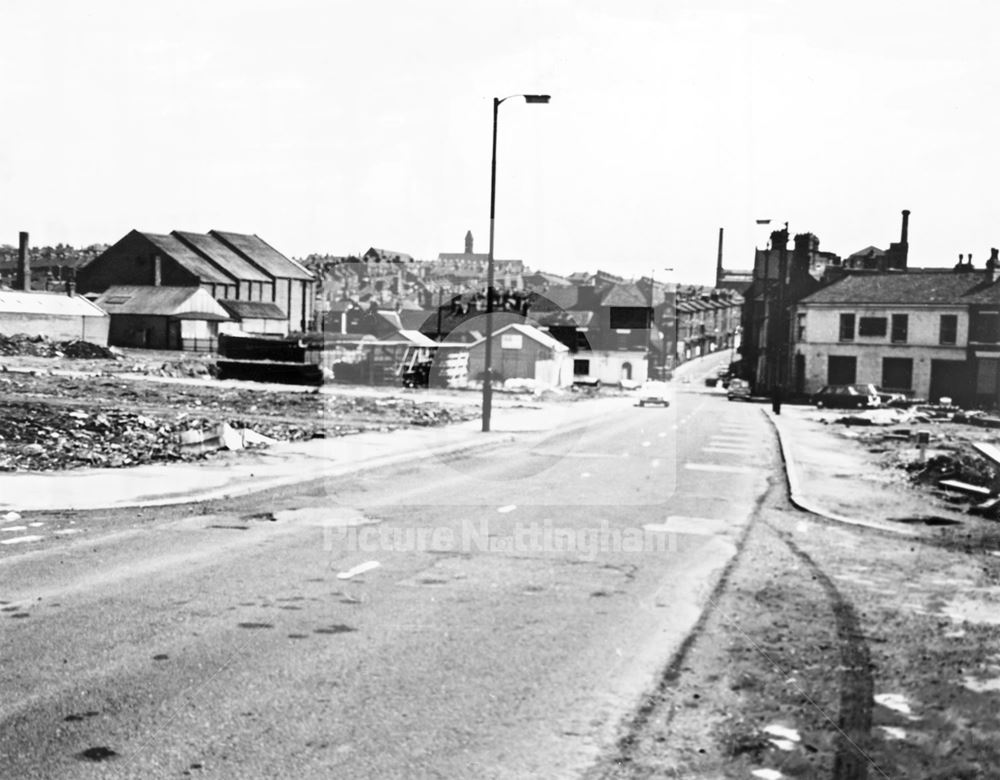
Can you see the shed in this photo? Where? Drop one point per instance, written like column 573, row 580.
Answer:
column 523, row 352
column 163, row 317
column 258, row 317
column 57, row 316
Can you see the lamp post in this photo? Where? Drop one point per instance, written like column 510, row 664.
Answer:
column 488, row 373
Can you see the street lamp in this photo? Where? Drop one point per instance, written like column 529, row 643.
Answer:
column 488, row 374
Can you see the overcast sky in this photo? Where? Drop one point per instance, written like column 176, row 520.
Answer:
column 332, row 126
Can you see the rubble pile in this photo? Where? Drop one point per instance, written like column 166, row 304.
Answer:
column 57, row 422
column 42, row 346
column 38, row 437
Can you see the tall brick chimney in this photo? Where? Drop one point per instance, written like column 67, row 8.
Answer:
column 904, row 234
column 718, row 262
column 468, row 242
column 992, row 266
column 23, row 280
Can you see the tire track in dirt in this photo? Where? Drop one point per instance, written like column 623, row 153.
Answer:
column 857, row 685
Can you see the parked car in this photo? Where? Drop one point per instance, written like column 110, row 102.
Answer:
column 654, row 393
column 739, row 390
column 847, row 397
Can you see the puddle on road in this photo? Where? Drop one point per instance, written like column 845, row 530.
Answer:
column 255, row 625
column 338, row 628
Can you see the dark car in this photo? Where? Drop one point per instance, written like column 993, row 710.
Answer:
column 847, row 397
column 738, row 390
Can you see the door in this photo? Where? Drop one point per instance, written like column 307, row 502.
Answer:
column 950, row 379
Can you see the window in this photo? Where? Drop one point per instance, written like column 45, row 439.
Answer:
column 986, row 327
column 871, row 326
column 949, row 329
column 800, row 329
column 629, row 317
column 581, row 367
column 897, row 373
column 900, row 326
column 841, row 369
column 846, row 329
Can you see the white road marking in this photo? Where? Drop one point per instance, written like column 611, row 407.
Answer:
column 727, row 450
column 35, row 525
column 505, row 509
column 10, row 528
column 679, row 524
column 361, row 568
column 723, row 437
column 68, row 531
column 721, row 469
column 21, row 539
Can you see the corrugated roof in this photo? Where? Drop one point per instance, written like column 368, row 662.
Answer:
column 159, row 301
column 417, row 338
column 253, row 310
column 909, row 287
column 54, row 304
column 221, row 255
column 263, row 255
column 187, row 258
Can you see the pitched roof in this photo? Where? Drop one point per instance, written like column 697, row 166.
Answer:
column 262, row 255
column 253, row 310
column 160, row 301
column 566, row 297
column 221, row 255
column 625, row 295
column 909, row 287
column 188, row 259
column 49, row 304
column 414, row 319
column 872, row 251
column 532, row 333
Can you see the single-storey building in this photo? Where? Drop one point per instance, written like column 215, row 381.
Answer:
column 57, row 316
column 257, row 317
column 523, row 352
column 163, row 317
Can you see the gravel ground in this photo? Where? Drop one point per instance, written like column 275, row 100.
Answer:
column 836, row 651
column 112, row 419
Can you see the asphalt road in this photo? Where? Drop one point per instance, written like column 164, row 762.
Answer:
column 494, row 614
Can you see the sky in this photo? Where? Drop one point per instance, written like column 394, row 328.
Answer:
column 329, row 127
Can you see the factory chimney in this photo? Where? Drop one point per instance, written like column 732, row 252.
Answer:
column 718, row 262
column 23, row 280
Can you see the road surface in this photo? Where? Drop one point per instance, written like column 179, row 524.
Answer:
column 495, row 614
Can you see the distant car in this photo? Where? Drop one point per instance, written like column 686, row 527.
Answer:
column 888, row 398
column 847, row 397
column 654, row 393
column 739, row 390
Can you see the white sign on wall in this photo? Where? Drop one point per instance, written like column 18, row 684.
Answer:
column 511, row 341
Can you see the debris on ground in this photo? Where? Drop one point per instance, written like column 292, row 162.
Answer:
column 42, row 346
column 52, row 422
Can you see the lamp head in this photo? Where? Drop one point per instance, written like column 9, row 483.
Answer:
column 537, row 98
